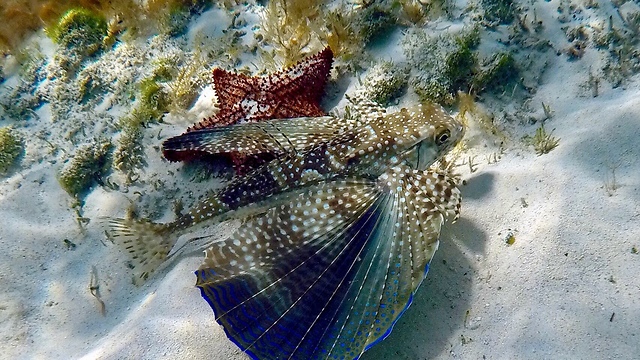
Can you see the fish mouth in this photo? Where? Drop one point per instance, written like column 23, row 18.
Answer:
column 460, row 131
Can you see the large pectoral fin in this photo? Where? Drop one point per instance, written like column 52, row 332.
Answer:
column 328, row 275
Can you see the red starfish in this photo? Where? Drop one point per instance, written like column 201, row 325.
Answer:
column 289, row 93
column 292, row 92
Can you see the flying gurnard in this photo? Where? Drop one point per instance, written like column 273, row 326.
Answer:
column 339, row 228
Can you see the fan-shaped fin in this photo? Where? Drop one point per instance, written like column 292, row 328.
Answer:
column 260, row 281
column 330, row 274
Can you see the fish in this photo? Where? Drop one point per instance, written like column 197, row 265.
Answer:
column 268, row 139
column 339, row 228
column 421, row 134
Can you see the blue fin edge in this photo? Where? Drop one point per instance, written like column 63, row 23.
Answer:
column 246, row 351
column 388, row 332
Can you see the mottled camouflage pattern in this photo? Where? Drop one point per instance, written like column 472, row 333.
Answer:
column 340, row 228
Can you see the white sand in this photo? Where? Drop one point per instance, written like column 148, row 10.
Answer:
column 552, row 294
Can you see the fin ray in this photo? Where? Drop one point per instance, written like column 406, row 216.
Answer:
column 363, row 269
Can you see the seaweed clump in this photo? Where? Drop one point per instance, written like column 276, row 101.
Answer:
column 374, row 20
column 172, row 87
column 384, row 82
column 169, row 88
column 153, row 97
column 20, row 18
column 542, row 141
column 80, row 34
column 10, row 149
column 288, row 26
column 623, row 61
column 296, row 28
column 79, row 28
column 341, row 36
column 129, row 154
column 501, row 71
column 184, row 80
column 499, row 11
column 89, row 165
column 443, row 65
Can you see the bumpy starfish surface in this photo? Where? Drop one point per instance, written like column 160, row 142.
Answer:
column 289, row 93
column 292, row 92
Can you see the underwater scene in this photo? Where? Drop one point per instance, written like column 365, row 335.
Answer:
column 319, row 179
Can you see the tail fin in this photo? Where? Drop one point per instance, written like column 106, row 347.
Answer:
column 148, row 243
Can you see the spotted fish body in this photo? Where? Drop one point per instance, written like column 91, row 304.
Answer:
column 340, row 229
column 366, row 151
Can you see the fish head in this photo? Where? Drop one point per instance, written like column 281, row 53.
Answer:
column 417, row 136
column 424, row 134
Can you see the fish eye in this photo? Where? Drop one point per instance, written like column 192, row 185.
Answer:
column 443, row 136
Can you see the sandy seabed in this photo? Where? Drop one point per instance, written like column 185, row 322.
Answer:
column 567, row 288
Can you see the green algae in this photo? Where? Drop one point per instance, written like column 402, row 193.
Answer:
column 384, row 82
column 153, row 96
column 500, row 11
column 128, row 155
column 11, row 147
column 89, row 165
column 542, row 141
column 374, row 21
column 79, row 28
column 80, row 34
column 443, row 65
column 501, row 71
